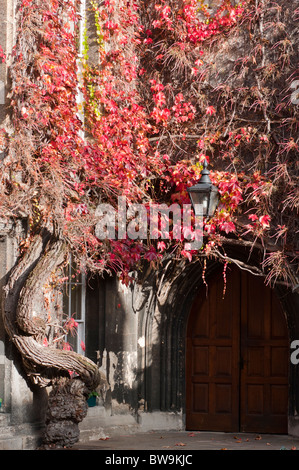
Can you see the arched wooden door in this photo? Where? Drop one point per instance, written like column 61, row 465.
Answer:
column 237, row 355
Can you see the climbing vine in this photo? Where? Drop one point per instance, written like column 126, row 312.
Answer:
column 165, row 107
column 159, row 98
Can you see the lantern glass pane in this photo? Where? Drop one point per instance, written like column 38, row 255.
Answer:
column 214, row 198
column 200, row 200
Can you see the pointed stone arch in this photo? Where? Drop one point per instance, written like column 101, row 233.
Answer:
column 163, row 324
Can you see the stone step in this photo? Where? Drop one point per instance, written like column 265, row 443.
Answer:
column 100, row 424
column 23, row 437
column 7, row 438
column 4, row 419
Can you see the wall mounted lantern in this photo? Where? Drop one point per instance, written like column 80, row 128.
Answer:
column 204, row 194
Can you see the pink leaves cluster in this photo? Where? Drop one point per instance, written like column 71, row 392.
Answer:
column 165, row 17
column 160, row 113
column 2, row 55
column 225, row 17
column 183, row 111
column 180, row 112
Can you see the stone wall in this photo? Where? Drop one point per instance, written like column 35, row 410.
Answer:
column 127, row 341
column 141, row 349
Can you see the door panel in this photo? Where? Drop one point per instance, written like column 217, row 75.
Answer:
column 237, row 358
column 212, row 398
column 264, row 350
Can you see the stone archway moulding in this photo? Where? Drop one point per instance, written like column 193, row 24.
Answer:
column 164, row 323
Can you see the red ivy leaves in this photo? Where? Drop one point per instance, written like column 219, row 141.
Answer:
column 119, row 157
column 2, row 55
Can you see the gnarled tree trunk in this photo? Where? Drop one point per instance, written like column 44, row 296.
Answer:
column 25, row 320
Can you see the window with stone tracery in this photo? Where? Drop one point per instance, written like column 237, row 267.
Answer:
column 74, row 307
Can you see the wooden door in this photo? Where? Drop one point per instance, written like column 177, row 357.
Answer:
column 212, row 377
column 264, row 360
column 237, row 358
